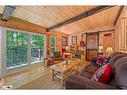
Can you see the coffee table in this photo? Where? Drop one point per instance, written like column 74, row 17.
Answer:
column 63, row 69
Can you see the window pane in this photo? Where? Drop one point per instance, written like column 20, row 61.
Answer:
column 37, row 50
column 53, row 44
column 16, row 48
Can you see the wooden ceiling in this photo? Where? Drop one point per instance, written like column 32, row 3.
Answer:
column 48, row 16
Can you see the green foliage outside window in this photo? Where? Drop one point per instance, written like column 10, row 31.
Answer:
column 37, row 50
column 16, row 48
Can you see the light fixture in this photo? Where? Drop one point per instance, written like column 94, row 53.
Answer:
column 8, row 10
column 109, row 50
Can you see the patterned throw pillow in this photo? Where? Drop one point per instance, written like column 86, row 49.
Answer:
column 100, row 60
column 106, row 60
column 103, row 74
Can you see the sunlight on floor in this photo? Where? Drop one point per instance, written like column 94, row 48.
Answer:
column 21, row 78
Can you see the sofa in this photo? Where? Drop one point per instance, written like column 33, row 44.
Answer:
column 118, row 80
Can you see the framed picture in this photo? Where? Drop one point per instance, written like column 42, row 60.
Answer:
column 64, row 41
column 74, row 40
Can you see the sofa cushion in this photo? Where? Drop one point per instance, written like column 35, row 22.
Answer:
column 86, row 74
column 90, row 68
column 103, row 74
column 114, row 54
column 100, row 60
column 106, row 60
column 115, row 58
column 120, row 72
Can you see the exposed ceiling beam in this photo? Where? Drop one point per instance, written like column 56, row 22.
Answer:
column 81, row 16
column 118, row 15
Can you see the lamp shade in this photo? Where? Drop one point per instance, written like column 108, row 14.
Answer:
column 66, row 48
column 109, row 50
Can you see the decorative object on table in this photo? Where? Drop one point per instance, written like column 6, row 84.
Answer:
column 74, row 40
column 109, row 51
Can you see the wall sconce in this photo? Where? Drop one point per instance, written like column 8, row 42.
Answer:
column 8, row 10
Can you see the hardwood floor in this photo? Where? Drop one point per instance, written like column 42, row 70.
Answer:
column 37, row 77
column 43, row 82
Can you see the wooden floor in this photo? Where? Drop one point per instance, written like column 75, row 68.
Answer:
column 37, row 77
column 43, row 82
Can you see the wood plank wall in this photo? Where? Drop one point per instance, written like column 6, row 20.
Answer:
column 120, row 40
column 102, row 38
column 59, row 36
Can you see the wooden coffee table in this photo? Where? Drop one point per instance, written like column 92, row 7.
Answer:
column 63, row 69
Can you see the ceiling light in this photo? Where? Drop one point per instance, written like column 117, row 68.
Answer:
column 8, row 10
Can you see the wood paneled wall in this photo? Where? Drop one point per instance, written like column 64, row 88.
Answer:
column 121, row 32
column 59, row 36
column 102, row 38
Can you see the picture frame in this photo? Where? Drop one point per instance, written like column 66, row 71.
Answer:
column 74, row 40
column 64, row 41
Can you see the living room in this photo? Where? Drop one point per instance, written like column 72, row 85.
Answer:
column 63, row 47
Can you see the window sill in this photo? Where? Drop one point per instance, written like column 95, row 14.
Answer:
column 20, row 68
column 17, row 66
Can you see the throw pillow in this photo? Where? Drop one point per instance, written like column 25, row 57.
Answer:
column 103, row 73
column 106, row 60
column 100, row 60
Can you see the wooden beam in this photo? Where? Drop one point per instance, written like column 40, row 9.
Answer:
column 102, row 31
column 81, row 16
column 118, row 15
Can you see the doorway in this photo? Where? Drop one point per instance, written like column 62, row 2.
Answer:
column 92, row 43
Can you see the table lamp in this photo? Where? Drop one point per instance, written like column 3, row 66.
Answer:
column 109, row 50
column 67, row 49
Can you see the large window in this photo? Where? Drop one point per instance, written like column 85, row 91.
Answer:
column 17, row 46
column 53, row 43
column 24, row 48
column 37, row 50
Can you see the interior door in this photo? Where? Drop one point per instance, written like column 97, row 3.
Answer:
column 92, row 43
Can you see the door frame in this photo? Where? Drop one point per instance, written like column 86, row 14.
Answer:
column 92, row 33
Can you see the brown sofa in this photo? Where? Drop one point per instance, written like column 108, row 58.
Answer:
column 118, row 80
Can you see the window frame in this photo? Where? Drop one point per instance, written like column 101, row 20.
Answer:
column 55, row 43
column 3, row 68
